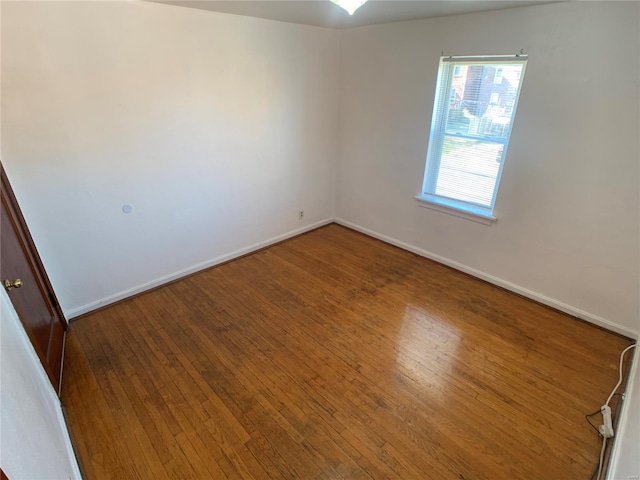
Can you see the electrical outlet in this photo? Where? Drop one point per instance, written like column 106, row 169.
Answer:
column 301, row 215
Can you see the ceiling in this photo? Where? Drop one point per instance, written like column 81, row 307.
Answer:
column 323, row 13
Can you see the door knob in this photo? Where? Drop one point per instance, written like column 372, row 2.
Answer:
column 8, row 284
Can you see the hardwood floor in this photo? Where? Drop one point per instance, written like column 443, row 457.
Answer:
column 335, row 356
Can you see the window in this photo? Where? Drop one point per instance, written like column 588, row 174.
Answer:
column 474, row 108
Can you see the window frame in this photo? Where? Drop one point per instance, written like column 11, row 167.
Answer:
column 446, row 72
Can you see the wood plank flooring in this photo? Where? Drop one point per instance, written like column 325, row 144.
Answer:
column 335, row 356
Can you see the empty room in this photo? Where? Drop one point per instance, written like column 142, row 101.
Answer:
column 324, row 239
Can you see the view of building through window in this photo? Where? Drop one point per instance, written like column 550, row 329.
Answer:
column 472, row 129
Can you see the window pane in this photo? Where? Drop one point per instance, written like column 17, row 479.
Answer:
column 482, row 99
column 474, row 107
column 469, row 169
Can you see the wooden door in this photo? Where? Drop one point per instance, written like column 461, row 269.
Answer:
column 28, row 286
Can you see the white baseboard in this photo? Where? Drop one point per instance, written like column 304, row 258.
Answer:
column 563, row 307
column 71, row 454
column 76, row 312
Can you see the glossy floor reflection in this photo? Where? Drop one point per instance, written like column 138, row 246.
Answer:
column 334, row 355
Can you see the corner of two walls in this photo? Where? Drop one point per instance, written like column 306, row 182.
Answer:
column 216, row 129
column 34, row 440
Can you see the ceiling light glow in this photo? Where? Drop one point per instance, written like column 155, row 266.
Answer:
column 349, row 5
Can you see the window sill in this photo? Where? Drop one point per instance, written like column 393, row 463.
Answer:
column 458, row 209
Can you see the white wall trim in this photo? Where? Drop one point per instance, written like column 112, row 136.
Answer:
column 563, row 307
column 624, row 414
column 67, row 441
column 76, row 312
column 456, row 208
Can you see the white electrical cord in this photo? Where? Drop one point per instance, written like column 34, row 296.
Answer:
column 604, row 446
column 620, row 373
column 613, row 392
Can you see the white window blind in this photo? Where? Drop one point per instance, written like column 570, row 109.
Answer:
column 475, row 104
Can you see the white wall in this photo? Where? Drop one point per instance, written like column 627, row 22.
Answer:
column 217, row 129
column 34, row 442
column 568, row 206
